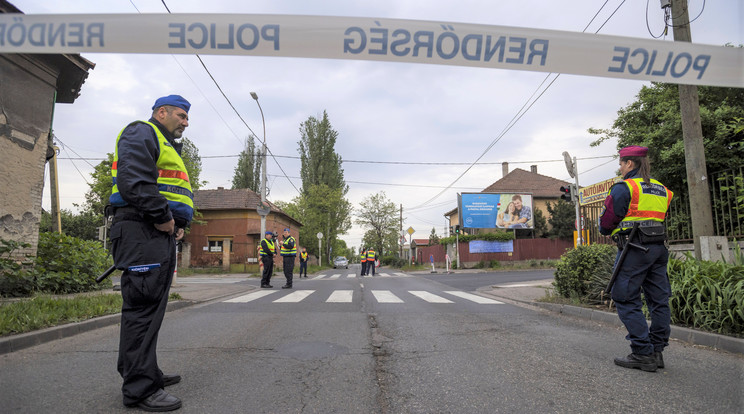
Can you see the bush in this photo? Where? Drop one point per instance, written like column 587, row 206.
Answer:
column 494, row 264
column 16, row 278
column 393, row 261
column 66, row 264
column 708, row 295
column 585, row 271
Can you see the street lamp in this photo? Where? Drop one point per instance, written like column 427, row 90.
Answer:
column 263, row 210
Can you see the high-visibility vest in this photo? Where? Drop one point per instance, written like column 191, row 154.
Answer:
column 303, row 256
column 363, row 257
column 649, row 202
column 286, row 251
column 173, row 179
column 370, row 255
column 269, row 244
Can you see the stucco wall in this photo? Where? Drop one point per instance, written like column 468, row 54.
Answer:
column 26, row 104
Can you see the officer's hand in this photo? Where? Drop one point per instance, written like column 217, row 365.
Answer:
column 179, row 234
column 167, row 227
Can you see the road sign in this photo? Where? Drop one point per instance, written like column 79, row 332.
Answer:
column 320, row 235
column 411, row 230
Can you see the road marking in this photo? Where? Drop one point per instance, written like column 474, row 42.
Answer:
column 386, row 296
column 350, row 275
column 251, row 296
column 318, row 277
column 401, row 274
column 382, row 274
column 336, row 276
column 522, row 285
column 474, row 298
column 341, row 296
column 295, row 296
column 429, row 297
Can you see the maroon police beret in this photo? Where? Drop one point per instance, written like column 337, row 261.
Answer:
column 633, row 151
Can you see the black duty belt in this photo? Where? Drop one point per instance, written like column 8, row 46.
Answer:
column 644, row 223
column 127, row 214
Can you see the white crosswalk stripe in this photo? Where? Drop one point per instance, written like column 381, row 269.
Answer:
column 429, row 297
column 341, row 296
column 251, row 296
column 474, row 298
column 336, row 276
column 350, row 275
column 386, row 296
column 295, row 296
column 346, row 296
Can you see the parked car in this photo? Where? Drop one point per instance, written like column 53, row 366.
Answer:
column 340, row 261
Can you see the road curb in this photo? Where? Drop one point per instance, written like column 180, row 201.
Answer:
column 26, row 340
column 680, row 333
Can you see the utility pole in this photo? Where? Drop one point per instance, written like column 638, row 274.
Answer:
column 54, row 191
column 400, row 254
column 697, row 180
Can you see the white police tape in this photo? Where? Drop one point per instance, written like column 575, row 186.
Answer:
column 392, row 40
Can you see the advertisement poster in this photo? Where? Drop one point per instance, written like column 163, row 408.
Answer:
column 484, row 246
column 496, row 210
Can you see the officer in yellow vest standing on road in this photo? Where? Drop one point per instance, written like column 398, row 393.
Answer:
column 153, row 204
column 288, row 252
column 640, row 200
column 363, row 261
column 267, row 252
column 303, row 262
column 371, row 257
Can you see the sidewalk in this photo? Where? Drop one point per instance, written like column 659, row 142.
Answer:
column 205, row 288
column 528, row 294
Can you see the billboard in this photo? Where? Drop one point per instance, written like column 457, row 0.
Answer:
column 597, row 192
column 496, row 210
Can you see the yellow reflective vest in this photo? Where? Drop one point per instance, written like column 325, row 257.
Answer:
column 289, row 247
column 173, row 179
column 649, row 201
column 269, row 245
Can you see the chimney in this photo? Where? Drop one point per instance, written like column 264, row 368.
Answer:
column 220, row 188
column 533, row 168
column 504, row 168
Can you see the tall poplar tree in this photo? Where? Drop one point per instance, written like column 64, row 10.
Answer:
column 320, row 162
column 248, row 171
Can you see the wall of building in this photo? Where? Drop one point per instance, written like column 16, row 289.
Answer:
column 27, row 90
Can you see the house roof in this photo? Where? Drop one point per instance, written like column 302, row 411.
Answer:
column 421, row 242
column 232, row 199
column 520, row 181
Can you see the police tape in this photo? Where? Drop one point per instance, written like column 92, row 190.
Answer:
column 377, row 39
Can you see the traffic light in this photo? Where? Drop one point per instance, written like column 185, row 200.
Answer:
column 566, row 193
column 457, row 229
column 452, row 230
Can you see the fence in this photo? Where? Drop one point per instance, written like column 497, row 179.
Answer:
column 524, row 249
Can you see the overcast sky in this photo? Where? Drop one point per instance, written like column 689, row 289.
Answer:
column 392, row 112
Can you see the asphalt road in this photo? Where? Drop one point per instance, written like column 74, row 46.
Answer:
column 392, row 344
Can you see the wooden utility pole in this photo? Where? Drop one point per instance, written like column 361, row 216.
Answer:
column 701, row 212
column 400, row 254
column 54, row 191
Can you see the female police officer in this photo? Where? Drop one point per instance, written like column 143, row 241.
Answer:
column 640, row 200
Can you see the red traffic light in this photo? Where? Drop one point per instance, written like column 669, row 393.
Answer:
column 566, row 193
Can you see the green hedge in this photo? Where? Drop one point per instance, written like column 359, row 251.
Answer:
column 582, row 273
column 63, row 264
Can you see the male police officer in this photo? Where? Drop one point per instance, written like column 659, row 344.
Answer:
column 640, row 200
column 363, row 261
column 289, row 252
column 371, row 257
column 267, row 258
column 152, row 202
column 303, row 262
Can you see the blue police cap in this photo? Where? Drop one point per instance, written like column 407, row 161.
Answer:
column 268, row 232
column 173, row 100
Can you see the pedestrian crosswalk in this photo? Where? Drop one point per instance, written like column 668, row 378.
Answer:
column 353, row 275
column 381, row 296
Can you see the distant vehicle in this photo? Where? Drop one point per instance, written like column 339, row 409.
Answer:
column 340, row 261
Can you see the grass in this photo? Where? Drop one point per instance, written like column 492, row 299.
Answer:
column 45, row 311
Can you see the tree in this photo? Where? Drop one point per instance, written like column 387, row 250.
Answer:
column 654, row 121
column 83, row 225
column 433, row 238
column 100, row 188
column 541, row 225
column 193, row 163
column 562, row 219
column 248, row 171
column 320, row 164
column 379, row 216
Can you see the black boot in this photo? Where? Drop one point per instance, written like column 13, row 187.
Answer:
column 287, row 287
column 659, row 359
column 643, row 362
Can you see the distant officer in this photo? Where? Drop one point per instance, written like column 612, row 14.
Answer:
column 643, row 200
column 303, row 262
column 289, row 252
column 363, row 261
column 267, row 258
column 371, row 257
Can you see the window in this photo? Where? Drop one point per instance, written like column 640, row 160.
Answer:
column 215, row 245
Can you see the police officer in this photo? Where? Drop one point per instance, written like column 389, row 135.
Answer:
column 303, row 262
column 267, row 258
column 288, row 252
column 371, row 257
column 643, row 200
column 363, row 261
column 152, row 202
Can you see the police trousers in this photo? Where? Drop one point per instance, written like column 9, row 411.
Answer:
column 644, row 272
column 148, row 258
column 288, row 265
column 268, row 269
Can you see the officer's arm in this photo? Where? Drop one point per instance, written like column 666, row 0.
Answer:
column 137, row 173
column 615, row 208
